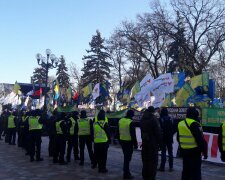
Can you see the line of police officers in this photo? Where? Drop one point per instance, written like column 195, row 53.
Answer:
column 69, row 128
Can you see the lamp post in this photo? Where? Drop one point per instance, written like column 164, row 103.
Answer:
column 46, row 65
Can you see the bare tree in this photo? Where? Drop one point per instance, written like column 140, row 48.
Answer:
column 75, row 75
column 204, row 22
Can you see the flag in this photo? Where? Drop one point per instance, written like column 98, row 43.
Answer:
column 56, row 90
column 200, row 80
column 75, row 96
column 178, row 79
column 183, row 94
column 135, row 89
column 16, row 88
column 69, row 93
column 38, row 92
column 146, row 82
column 87, row 90
column 96, row 91
column 164, row 83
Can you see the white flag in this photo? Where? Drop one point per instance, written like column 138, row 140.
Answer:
column 96, row 91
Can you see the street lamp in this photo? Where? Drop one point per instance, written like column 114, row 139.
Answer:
column 46, row 65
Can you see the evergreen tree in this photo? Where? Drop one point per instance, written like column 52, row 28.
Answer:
column 177, row 50
column 96, row 67
column 62, row 74
column 39, row 75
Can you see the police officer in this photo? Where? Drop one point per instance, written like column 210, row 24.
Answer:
column 11, row 131
column 101, row 141
column 221, row 141
column 192, row 145
column 73, row 138
column 128, row 141
column 85, row 133
column 34, row 126
column 61, row 127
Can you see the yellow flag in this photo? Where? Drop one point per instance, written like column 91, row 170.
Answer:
column 135, row 89
column 16, row 88
column 87, row 90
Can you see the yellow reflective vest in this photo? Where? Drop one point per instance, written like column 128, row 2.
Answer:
column 186, row 139
column 99, row 133
column 83, row 126
column 223, row 136
column 58, row 128
column 11, row 122
column 124, row 129
column 34, row 124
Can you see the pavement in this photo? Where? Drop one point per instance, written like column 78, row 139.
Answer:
column 14, row 165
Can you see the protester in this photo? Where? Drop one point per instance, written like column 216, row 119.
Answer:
column 221, row 141
column 192, row 145
column 151, row 142
column 128, row 141
column 167, row 139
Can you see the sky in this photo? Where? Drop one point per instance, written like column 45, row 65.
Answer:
column 28, row 27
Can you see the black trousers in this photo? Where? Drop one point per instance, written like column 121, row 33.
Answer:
column 86, row 140
column 169, row 148
column 59, row 149
column 72, row 144
column 51, row 145
column 11, row 135
column 20, row 138
column 100, row 154
column 150, row 161
column 35, row 143
column 191, row 167
column 127, row 147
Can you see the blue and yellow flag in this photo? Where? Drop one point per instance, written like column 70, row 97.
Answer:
column 56, row 89
column 87, row 90
column 200, row 80
column 183, row 94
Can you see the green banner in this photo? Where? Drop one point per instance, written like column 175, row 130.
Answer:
column 118, row 114
column 213, row 115
column 65, row 109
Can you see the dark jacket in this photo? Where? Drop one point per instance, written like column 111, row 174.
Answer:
column 220, row 143
column 167, row 129
column 150, row 131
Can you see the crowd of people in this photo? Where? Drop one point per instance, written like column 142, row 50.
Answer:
column 73, row 131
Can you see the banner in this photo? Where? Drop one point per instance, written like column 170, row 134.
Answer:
column 213, row 115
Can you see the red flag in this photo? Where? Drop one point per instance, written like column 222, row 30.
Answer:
column 75, row 96
column 38, row 92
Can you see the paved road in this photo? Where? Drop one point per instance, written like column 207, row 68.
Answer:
column 14, row 165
